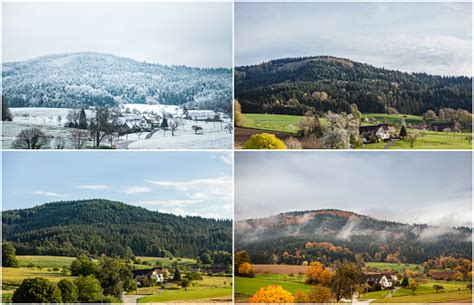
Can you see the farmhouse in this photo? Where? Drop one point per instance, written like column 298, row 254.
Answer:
column 442, row 275
column 385, row 279
column 374, row 133
column 149, row 275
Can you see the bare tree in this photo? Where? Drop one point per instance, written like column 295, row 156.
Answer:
column 79, row 138
column 197, row 129
column 32, row 138
column 103, row 124
column 59, row 142
column 59, row 119
column 173, row 126
column 73, row 117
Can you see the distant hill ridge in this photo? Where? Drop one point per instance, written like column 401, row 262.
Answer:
column 353, row 232
column 94, row 79
column 99, row 226
column 294, row 85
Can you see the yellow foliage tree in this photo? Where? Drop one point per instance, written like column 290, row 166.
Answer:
column 264, row 141
column 272, row 294
column 469, row 276
column 301, row 297
column 320, row 294
column 238, row 117
column 246, row 270
column 317, row 274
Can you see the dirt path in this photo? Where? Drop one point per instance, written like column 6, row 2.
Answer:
column 389, row 295
column 390, row 144
column 131, row 298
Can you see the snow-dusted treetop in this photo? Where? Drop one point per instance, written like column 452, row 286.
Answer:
column 94, row 79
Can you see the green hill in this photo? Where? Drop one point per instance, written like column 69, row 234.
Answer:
column 100, row 226
column 323, row 83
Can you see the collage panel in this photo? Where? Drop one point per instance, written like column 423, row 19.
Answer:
column 360, row 227
column 131, row 227
column 117, row 75
column 358, row 75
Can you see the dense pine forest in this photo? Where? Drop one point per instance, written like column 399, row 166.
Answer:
column 329, row 235
column 324, row 83
column 98, row 226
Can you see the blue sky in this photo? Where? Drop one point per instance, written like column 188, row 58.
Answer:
column 184, row 183
column 192, row 34
column 413, row 37
column 410, row 187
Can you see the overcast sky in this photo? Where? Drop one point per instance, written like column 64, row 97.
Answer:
column 192, row 34
column 413, row 37
column 184, row 183
column 410, row 187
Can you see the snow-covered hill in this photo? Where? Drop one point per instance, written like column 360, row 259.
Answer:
column 94, row 79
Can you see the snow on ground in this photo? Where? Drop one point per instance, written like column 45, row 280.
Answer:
column 213, row 137
column 41, row 116
column 158, row 109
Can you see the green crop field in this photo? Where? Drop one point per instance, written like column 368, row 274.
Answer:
column 394, row 267
column 246, row 287
column 206, row 290
column 18, row 274
column 44, row 261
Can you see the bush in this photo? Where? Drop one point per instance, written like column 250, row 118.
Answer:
column 264, row 141
column 89, row 289
column 69, row 292
column 246, row 270
column 37, row 290
column 272, row 294
column 320, row 294
column 293, row 143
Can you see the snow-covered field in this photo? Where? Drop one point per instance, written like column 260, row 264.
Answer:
column 213, row 136
column 41, row 116
column 51, row 121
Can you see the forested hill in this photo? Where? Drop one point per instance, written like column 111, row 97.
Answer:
column 94, row 79
column 295, row 85
column 295, row 237
column 107, row 227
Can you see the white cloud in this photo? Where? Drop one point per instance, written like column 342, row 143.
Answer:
column 216, row 188
column 93, row 187
column 137, row 189
column 48, row 194
column 226, row 157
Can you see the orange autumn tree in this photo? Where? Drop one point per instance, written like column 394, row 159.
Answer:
column 317, row 274
column 246, row 270
column 272, row 294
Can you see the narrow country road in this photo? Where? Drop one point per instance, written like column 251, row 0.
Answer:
column 389, row 295
column 131, row 298
column 389, row 144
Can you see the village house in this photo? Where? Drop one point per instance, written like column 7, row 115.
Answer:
column 155, row 275
column 375, row 133
column 386, row 280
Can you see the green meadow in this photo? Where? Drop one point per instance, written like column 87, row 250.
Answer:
column 209, row 289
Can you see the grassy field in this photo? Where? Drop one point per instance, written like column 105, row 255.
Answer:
column 394, row 119
column 272, row 122
column 246, row 287
column 375, row 295
column 44, row 261
column 430, row 140
column 464, row 296
column 209, row 289
column 163, row 261
column 18, row 274
column 394, row 267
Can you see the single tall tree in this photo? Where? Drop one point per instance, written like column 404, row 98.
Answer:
column 9, row 255
column 6, row 114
